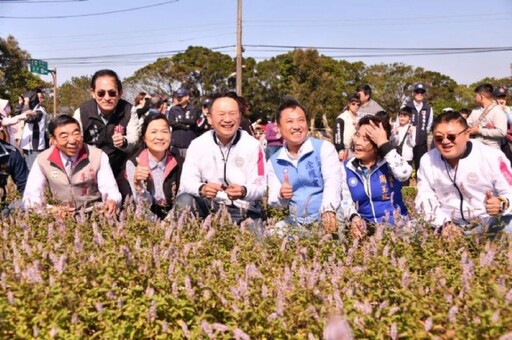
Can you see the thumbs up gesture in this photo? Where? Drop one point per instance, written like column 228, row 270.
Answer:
column 286, row 191
column 492, row 204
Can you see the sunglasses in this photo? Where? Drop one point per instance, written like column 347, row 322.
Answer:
column 102, row 93
column 451, row 137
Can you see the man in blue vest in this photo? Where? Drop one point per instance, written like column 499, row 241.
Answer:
column 305, row 175
column 422, row 116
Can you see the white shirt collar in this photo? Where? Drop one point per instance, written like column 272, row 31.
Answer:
column 64, row 158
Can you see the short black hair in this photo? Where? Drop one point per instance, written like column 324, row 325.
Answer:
column 106, row 73
column 225, row 94
column 156, row 101
column 449, row 116
column 382, row 114
column 290, row 103
column 354, row 98
column 465, row 110
column 366, row 89
column 150, row 118
column 406, row 109
column 376, row 120
column 59, row 121
column 485, row 90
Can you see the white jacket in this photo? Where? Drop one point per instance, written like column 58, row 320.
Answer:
column 493, row 127
column 244, row 165
column 482, row 169
column 397, row 136
column 27, row 134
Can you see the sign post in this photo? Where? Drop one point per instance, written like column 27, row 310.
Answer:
column 41, row 67
column 38, row 66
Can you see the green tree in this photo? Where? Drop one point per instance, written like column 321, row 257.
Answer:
column 15, row 78
column 199, row 69
column 73, row 93
column 391, row 84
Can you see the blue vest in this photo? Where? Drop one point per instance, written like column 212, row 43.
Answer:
column 385, row 192
column 306, row 180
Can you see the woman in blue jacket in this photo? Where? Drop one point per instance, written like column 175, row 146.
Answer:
column 374, row 174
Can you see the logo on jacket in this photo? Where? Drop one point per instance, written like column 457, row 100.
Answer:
column 352, row 182
column 472, row 178
column 239, row 162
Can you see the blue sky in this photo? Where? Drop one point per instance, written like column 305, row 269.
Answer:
column 173, row 26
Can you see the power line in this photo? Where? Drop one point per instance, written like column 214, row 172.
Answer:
column 90, row 14
column 40, row 1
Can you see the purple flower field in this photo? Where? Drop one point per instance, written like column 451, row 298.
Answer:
column 133, row 278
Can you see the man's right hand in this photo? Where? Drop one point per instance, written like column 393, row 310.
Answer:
column 286, row 190
column 210, row 190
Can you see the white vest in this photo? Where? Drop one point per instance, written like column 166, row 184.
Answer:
column 26, row 136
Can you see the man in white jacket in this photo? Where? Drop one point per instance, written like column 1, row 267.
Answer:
column 224, row 166
column 464, row 186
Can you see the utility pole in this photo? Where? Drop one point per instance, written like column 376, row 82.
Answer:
column 239, row 50
column 54, row 76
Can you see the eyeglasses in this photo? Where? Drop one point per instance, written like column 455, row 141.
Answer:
column 451, row 137
column 355, row 103
column 102, row 93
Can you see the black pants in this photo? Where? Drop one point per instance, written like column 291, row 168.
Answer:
column 418, row 151
column 123, row 185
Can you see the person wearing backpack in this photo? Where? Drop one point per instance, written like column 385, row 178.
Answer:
column 403, row 136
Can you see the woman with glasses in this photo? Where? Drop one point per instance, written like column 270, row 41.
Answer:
column 374, row 175
column 154, row 173
column 345, row 127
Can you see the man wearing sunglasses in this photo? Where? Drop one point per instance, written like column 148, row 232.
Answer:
column 104, row 119
column 464, row 186
column 488, row 123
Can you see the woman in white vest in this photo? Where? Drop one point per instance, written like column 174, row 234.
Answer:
column 33, row 138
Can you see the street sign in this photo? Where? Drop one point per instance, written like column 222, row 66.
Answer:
column 38, row 66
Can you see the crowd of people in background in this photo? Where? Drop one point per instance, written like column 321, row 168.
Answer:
column 211, row 157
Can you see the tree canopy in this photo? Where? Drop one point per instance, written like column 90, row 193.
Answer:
column 321, row 83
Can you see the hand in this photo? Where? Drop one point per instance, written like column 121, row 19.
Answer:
column 286, row 190
column 110, row 207
column 118, row 140
column 492, row 204
column 210, row 190
column 377, row 134
column 235, row 191
column 63, row 210
column 329, row 222
column 450, row 231
column 474, row 130
column 343, row 155
column 141, row 175
column 357, row 227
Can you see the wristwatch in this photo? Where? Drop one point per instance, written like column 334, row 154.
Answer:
column 504, row 204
